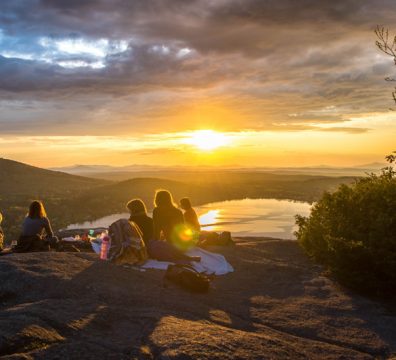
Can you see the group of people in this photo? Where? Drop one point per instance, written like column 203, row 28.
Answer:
column 159, row 232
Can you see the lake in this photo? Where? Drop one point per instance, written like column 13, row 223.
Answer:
column 247, row 217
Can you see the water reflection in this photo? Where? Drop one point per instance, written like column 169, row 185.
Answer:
column 209, row 219
column 253, row 217
column 248, row 217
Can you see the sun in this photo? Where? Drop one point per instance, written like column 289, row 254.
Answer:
column 207, row 140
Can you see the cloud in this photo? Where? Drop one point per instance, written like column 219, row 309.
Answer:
column 101, row 66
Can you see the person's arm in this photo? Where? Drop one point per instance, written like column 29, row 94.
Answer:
column 47, row 227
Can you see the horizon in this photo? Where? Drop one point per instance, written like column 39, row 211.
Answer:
column 221, row 84
column 130, row 167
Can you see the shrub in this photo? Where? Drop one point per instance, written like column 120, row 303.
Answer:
column 352, row 231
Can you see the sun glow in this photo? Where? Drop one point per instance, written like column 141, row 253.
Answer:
column 209, row 219
column 207, row 140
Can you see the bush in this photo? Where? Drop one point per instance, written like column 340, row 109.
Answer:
column 353, row 233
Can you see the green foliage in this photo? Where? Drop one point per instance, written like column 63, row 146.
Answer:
column 352, row 231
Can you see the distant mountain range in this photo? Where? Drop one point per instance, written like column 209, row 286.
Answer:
column 119, row 173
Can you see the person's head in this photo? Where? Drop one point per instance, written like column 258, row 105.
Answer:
column 185, row 203
column 163, row 198
column 136, row 207
column 36, row 210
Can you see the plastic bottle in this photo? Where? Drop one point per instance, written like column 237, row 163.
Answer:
column 104, row 249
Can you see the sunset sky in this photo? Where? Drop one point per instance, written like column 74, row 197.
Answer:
column 192, row 82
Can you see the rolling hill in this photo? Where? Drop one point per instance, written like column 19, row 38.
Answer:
column 20, row 179
column 74, row 199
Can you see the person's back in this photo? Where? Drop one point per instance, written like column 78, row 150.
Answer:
column 138, row 214
column 191, row 219
column 36, row 226
column 145, row 224
column 190, row 216
column 165, row 219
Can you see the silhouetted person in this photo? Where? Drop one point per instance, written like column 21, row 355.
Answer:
column 190, row 216
column 139, row 216
column 166, row 216
column 157, row 249
column 36, row 233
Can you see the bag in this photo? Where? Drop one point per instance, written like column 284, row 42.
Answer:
column 127, row 245
column 31, row 244
column 211, row 238
column 187, row 278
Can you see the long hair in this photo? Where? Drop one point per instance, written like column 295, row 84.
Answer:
column 1, row 218
column 163, row 198
column 136, row 207
column 36, row 210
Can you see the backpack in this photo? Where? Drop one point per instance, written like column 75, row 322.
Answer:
column 211, row 238
column 127, row 245
column 186, row 277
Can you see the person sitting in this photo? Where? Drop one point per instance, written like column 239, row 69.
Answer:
column 157, row 249
column 1, row 234
column 166, row 216
column 138, row 214
column 37, row 234
column 190, row 216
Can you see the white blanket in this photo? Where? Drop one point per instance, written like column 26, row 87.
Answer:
column 210, row 263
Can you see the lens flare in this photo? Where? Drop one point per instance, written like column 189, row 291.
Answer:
column 184, row 238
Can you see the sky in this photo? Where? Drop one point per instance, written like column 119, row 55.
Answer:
column 195, row 82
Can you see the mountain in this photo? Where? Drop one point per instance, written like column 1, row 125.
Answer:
column 120, row 173
column 18, row 179
column 94, row 169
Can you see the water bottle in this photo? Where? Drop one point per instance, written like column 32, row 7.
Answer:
column 104, row 249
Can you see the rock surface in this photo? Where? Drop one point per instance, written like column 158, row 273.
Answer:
column 276, row 305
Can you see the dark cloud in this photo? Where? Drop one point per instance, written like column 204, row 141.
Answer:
column 141, row 58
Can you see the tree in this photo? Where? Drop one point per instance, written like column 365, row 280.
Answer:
column 352, row 231
column 388, row 46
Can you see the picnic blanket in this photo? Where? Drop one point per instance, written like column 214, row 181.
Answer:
column 211, row 263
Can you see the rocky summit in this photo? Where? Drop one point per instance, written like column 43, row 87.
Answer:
column 276, row 305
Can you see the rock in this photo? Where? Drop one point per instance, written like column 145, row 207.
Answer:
column 275, row 305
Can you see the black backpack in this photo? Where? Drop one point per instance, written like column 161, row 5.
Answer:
column 187, row 278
